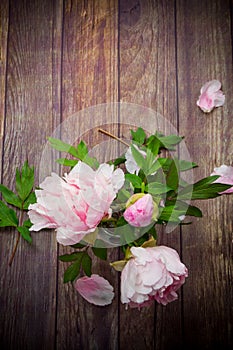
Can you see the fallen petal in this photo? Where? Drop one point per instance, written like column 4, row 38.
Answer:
column 95, row 289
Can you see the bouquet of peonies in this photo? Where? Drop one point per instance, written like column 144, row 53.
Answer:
column 121, row 203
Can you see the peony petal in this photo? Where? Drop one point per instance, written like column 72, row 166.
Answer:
column 82, row 175
column 219, row 99
column 67, row 237
column 153, row 274
column 211, row 86
column 95, row 289
column 118, row 179
column 39, row 221
column 211, row 96
column 170, row 258
column 226, row 177
column 128, row 281
column 141, row 255
column 224, row 171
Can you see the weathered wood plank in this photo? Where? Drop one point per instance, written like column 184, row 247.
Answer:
column 90, row 77
column 28, row 287
column 148, row 78
column 204, row 53
column 4, row 20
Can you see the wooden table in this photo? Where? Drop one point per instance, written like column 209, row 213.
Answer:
column 59, row 57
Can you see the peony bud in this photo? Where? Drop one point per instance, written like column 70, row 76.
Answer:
column 141, row 210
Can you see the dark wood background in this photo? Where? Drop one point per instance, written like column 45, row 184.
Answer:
column 58, row 57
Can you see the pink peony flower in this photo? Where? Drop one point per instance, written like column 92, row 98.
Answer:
column 152, row 274
column 130, row 164
column 211, row 96
column 76, row 204
column 95, row 289
column 226, row 176
column 142, row 212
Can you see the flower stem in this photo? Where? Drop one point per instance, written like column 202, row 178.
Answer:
column 14, row 250
column 18, row 238
column 143, row 187
column 113, row 136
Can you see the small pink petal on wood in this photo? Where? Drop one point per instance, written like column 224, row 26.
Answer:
column 95, row 289
column 211, row 96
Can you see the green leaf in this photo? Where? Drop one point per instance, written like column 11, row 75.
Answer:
column 92, row 162
column 123, row 195
column 86, row 264
column 67, row 162
column 25, row 233
column 172, row 178
column 148, row 164
column 154, row 167
column 24, row 181
column 153, row 232
column 27, row 223
column 138, row 136
column 70, row 257
column 82, row 150
column 128, row 235
column 182, row 165
column 63, row 147
column 151, row 162
column 194, row 211
column 155, row 188
column 169, row 141
column 171, row 214
column 100, row 252
column 77, row 245
column 135, row 180
column 165, row 163
column 121, row 222
column 189, row 210
column 119, row 160
column 154, row 144
column 158, row 141
column 73, row 270
column 83, row 155
column 203, row 189
column 138, row 157
column 10, row 197
column 212, row 191
column 31, row 199
column 206, row 181
column 8, row 216
column 186, row 165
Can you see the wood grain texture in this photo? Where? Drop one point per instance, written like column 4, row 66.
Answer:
column 28, row 287
column 89, row 77
column 60, row 57
column 148, row 78
column 204, row 53
column 4, row 20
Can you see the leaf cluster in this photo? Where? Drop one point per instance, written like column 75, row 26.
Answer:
column 161, row 177
column 81, row 260
column 20, row 199
column 79, row 153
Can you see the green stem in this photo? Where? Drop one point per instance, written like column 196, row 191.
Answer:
column 113, row 136
column 143, row 187
column 18, row 238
